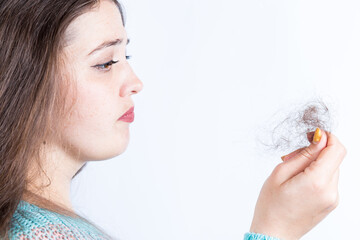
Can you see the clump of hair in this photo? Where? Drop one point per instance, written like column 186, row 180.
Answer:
column 291, row 130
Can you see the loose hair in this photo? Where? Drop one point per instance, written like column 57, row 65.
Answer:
column 287, row 131
column 34, row 92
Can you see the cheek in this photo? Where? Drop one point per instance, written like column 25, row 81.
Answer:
column 92, row 107
column 92, row 125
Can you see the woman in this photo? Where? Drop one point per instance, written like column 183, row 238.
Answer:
column 65, row 99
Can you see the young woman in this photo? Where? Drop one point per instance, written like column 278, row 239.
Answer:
column 65, row 99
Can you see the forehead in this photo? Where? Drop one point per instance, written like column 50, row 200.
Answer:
column 101, row 23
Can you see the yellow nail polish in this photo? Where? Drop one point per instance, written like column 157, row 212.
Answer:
column 317, row 136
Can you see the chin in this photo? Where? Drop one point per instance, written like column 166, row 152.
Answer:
column 121, row 148
column 109, row 151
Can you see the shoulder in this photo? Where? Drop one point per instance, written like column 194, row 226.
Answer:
column 32, row 222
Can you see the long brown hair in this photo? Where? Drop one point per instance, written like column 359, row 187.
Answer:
column 33, row 92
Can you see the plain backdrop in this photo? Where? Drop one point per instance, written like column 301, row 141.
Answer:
column 214, row 73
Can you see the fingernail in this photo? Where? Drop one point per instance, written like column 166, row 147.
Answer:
column 283, row 157
column 317, row 136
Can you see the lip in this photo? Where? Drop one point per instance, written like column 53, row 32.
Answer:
column 128, row 116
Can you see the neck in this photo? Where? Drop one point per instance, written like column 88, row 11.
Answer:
column 54, row 182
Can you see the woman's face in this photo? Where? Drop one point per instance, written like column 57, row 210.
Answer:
column 103, row 91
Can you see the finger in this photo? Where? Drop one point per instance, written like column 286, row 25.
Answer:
column 330, row 158
column 301, row 160
column 335, row 178
column 333, row 196
column 310, row 137
column 292, row 154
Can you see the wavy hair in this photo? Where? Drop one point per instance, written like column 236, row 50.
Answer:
column 33, row 92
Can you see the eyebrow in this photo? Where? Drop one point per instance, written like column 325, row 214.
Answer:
column 109, row 44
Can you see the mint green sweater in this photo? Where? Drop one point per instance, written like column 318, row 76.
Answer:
column 32, row 222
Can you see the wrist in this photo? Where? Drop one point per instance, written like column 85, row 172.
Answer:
column 274, row 232
column 258, row 236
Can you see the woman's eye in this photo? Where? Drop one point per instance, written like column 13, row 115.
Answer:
column 105, row 66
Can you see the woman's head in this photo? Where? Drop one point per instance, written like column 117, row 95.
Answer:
column 56, row 93
column 95, row 40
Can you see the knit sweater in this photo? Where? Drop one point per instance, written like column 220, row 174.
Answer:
column 32, row 222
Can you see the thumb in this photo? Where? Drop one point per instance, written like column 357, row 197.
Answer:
column 304, row 156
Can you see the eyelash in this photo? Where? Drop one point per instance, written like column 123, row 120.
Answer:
column 102, row 66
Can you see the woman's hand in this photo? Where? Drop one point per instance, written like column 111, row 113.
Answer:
column 301, row 191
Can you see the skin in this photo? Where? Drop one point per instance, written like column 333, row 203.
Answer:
column 301, row 191
column 298, row 194
column 103, row 95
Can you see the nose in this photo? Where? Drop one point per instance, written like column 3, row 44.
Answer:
column 137, row 84
column 134, row 84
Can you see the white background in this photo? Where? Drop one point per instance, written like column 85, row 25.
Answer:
column 214, row 73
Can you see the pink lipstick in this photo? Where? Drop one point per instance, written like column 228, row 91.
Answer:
column 128, row 116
